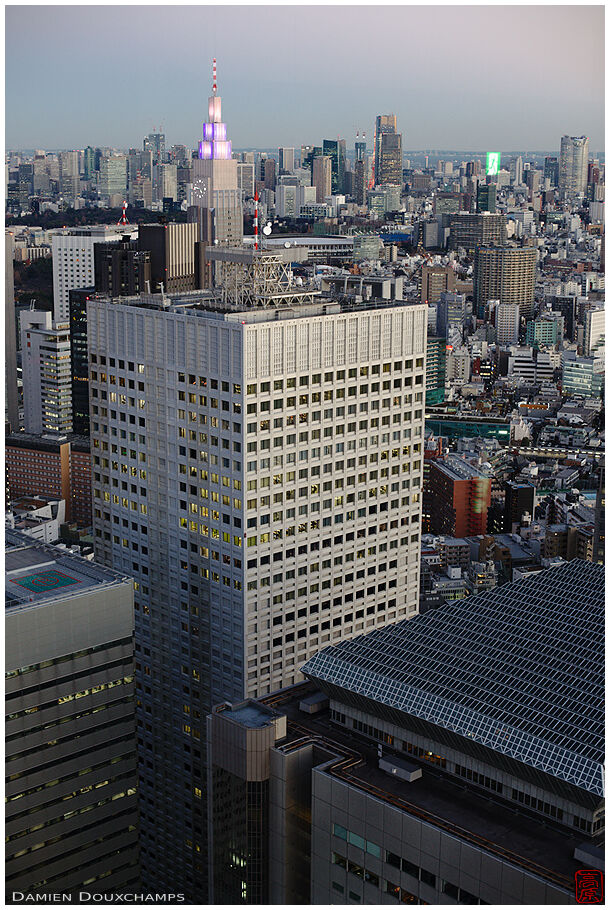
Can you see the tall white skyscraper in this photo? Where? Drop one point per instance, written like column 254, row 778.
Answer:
column 262, row 482
column 573, row 162
column 47, row 375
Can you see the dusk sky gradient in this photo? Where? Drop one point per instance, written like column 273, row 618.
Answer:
column 457, row 77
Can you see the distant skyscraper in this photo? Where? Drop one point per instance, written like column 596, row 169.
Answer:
column 112, row 179
column 70, row 726
column 286, row 160
column 335, row 149
column 322, row 177
column 506, row 274
column 573, row 161
column 516, row 171
column 269, row 171
column 214, row 178
column 551, row 169
column 390, row 160
column 360, row 148
column 486, row 197
column 384, row 123
column 155, row 143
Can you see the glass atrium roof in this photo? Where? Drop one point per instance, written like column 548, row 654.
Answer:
column 518, row 669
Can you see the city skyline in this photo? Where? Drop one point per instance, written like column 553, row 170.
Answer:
column 481, row 96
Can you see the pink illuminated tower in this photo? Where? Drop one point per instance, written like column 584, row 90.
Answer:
column 215, row 145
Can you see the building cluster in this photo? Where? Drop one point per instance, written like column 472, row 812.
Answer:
column 286, row 511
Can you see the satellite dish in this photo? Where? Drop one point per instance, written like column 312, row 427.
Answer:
column 287, row 245
column 267, row 229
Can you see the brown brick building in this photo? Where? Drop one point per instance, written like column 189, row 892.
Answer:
column 42, row 465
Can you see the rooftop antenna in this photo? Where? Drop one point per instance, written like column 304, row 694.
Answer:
column 214, row 85
column 256, row 220
column 123, row 219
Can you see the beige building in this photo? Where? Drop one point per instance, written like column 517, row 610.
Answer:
column 322, row 173
column 506, row 274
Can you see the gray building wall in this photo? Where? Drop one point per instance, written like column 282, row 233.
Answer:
column 71, row 812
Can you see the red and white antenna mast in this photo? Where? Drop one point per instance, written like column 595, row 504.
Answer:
column 123, row 218
column 256, row 220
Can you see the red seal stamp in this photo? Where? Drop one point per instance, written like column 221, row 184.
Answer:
column 589, row 886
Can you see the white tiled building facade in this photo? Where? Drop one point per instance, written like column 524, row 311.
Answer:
column 259, row 474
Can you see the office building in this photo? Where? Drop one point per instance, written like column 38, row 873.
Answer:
column 45, row 358
column 461, row 494
column 568, row 307
column 436, row 355
column 507, row 322
column 267, row 452
column 384, row 123
column 506, row 274
column 335, row 150
column 582, row 375
column 594, row 332
column 287, row 204
column 360, row 182
column 56, row 466
column 379, row 783
column 573, row 161
column 245, row 179
column 214, row 186
column 71, row 791
column 390, row 160
column 154, row 144
column 10, row 335
column 175, row 254
column 519, row 498
column 112, row 180
column 486, row 197
column 516, row 171
column 286, row 160
column 69, row 179
column 120, row 269
column 73, row 261
column 269, row 173
column 322, row 177
column 472, row 231
column 545, row 330
column 434, row 280
column 167, row 182
column 551, row 169
column 450, row 313
column 360, row 148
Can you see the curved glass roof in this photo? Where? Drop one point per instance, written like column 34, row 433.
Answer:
column 518, row 669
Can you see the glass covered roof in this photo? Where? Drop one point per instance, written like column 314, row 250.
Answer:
column 518, row 669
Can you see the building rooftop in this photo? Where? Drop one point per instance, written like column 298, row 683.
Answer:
column 512, row 833
column 249, row 713
column 518, row 669
column 459, row 469
column 35, row 572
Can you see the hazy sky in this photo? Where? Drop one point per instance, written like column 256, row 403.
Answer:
column 457, row 77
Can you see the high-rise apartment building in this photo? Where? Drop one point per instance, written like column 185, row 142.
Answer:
column 47, row 385
column 384, row 123
column 286, row 160
column 322, row 177
column 390, row 160
column 436, row 356
column 507, row 322
column 573, row 161
column 272, row 501
column 461, row 494
column 71, row 791
column 73, row 261
column 506, row 274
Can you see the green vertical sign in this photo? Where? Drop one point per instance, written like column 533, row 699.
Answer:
column 493, row 163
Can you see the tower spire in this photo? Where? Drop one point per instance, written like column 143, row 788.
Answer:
column 214, row 85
